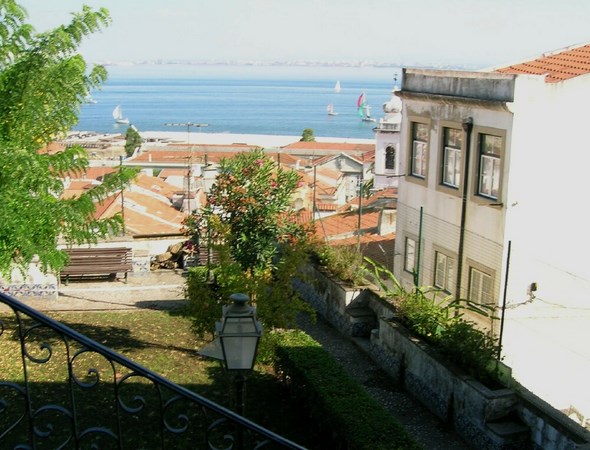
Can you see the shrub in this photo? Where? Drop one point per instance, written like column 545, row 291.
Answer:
column 345, row 263
column 204, row 301
column 337, row 403
column 440, row 322
column 422, row 314
column 470, row 348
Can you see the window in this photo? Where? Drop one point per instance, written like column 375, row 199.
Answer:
column 490, row 151
column 390, row 157
column 480, row 287
column 419, row 149
column 444, row 272
column 453, row 141
column 410, row 258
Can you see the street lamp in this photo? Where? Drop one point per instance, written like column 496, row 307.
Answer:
column 236, row 341
column 239, row 333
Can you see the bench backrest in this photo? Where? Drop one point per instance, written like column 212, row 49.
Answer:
column 102, row 259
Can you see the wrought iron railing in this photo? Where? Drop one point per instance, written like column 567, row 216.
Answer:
column 101, row 399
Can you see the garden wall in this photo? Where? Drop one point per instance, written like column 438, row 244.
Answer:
column 34, row 283
column 498, row 418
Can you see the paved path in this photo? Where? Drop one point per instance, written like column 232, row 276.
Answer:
column 164, row 289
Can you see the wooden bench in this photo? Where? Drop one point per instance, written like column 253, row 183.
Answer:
column 97, row 262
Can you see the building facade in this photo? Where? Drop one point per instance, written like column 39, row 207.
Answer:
column 494, row 164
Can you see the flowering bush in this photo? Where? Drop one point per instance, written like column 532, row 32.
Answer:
column 248, row 217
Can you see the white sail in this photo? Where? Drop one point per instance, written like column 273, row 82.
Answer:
column 118, row 115
column 337, row 87
column 330, row 109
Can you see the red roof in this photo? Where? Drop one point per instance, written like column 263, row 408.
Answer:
column 558, row 66
column 333, row 146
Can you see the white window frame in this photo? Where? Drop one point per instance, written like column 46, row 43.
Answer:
column 410, row 248
column 451, row 175
column 481, row 287
column 452, row 167
column 489, row 171
column 444, row 272
column 419, row 159
column 489, row 176
column 419, row 153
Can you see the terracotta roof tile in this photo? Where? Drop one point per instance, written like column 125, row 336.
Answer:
column 165, row 173
column 558, row 66
column 334, row 146
column 345, row 225
column 156, row 185
column 92, row 173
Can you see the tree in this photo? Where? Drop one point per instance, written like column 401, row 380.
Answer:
column 132, row 140
column 307, row 135
column 252, row 198
column 43, row 82
column 249, row 219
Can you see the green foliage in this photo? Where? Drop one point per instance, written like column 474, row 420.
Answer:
column 250, row 205
column 204, row 302
column 249, row 222
column 468, row 347
column 132, row 140
column 277, row 302
column 335, row 401
column 43, row 82
column 345, row 263
column 441, row 322
column 307, row 135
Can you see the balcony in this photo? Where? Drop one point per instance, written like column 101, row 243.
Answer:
column 101, row 398
column 387, row 126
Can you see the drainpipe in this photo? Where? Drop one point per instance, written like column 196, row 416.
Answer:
column 419, row 250
column 467, row 128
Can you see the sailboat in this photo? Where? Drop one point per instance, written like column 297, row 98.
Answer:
column 330, row 110
column 364, row 109
column 118, row 115
column 337, row 87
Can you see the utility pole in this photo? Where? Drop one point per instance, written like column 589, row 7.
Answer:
column 189, row 174
column 188, row 126
column 315, row 167
column 122, row 194
column 360, row 208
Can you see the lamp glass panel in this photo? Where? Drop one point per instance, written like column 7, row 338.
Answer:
column 240, row 351
column 239, row 339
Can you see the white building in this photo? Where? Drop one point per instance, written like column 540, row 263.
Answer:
column 491, row 208
column 387, row 134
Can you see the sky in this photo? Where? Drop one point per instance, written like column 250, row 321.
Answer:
column 472, row 33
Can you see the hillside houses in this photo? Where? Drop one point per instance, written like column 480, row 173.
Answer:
column 175, row 177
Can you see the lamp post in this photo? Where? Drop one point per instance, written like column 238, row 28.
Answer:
column 238, row 333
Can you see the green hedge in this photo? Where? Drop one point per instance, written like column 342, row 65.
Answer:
column 337, row 403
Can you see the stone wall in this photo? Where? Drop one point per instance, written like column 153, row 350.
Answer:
column 499, row 418
column 32, row 283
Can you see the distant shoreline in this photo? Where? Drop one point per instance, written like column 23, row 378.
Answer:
column 337, row 64
column 202, row 138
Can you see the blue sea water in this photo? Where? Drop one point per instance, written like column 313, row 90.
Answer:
column 275, row 100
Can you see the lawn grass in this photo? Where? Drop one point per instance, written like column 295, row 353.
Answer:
column 161, row 341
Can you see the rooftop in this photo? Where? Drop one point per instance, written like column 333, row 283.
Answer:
column 558, row 66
